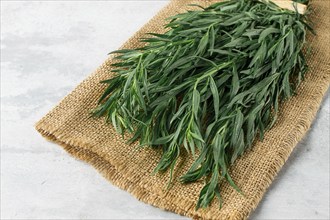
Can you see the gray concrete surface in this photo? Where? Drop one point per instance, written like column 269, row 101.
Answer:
column 47, row 48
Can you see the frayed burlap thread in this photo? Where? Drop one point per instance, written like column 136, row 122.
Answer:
column 91, row 140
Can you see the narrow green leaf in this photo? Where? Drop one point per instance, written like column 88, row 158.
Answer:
column 267, row 32
column 196, row 100
column 162, row 140
column 215, row 93
column 212, row 39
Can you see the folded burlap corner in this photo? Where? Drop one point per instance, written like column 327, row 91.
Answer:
column 91, row 140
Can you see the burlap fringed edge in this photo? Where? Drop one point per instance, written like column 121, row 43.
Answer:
column 82, row 151
column 108, row 171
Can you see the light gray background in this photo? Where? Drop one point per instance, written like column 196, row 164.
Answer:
column 47, row 48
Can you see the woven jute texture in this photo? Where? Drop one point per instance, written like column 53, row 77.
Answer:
column 91, row 140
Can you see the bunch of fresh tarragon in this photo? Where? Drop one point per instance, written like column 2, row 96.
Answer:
column 209, row 85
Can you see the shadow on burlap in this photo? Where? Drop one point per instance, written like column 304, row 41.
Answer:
column 91, row 140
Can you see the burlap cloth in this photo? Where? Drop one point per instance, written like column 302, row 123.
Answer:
column 91, row 140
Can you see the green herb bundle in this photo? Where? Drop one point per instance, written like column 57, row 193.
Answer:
column 208, row 86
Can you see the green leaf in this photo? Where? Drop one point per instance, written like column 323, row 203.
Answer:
column 215, row 93
column 202, row 44
column 196, row 100
column 123, row 51
column 267, row 32
column 239, row 119
column 235, row 43
column 162, row 140
column 279, row 52
column 291, row 42
column 231, row 182
column 235, row 82
column 212, row 39
column 179, row 112
column 223, row 52
column 197, row 137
